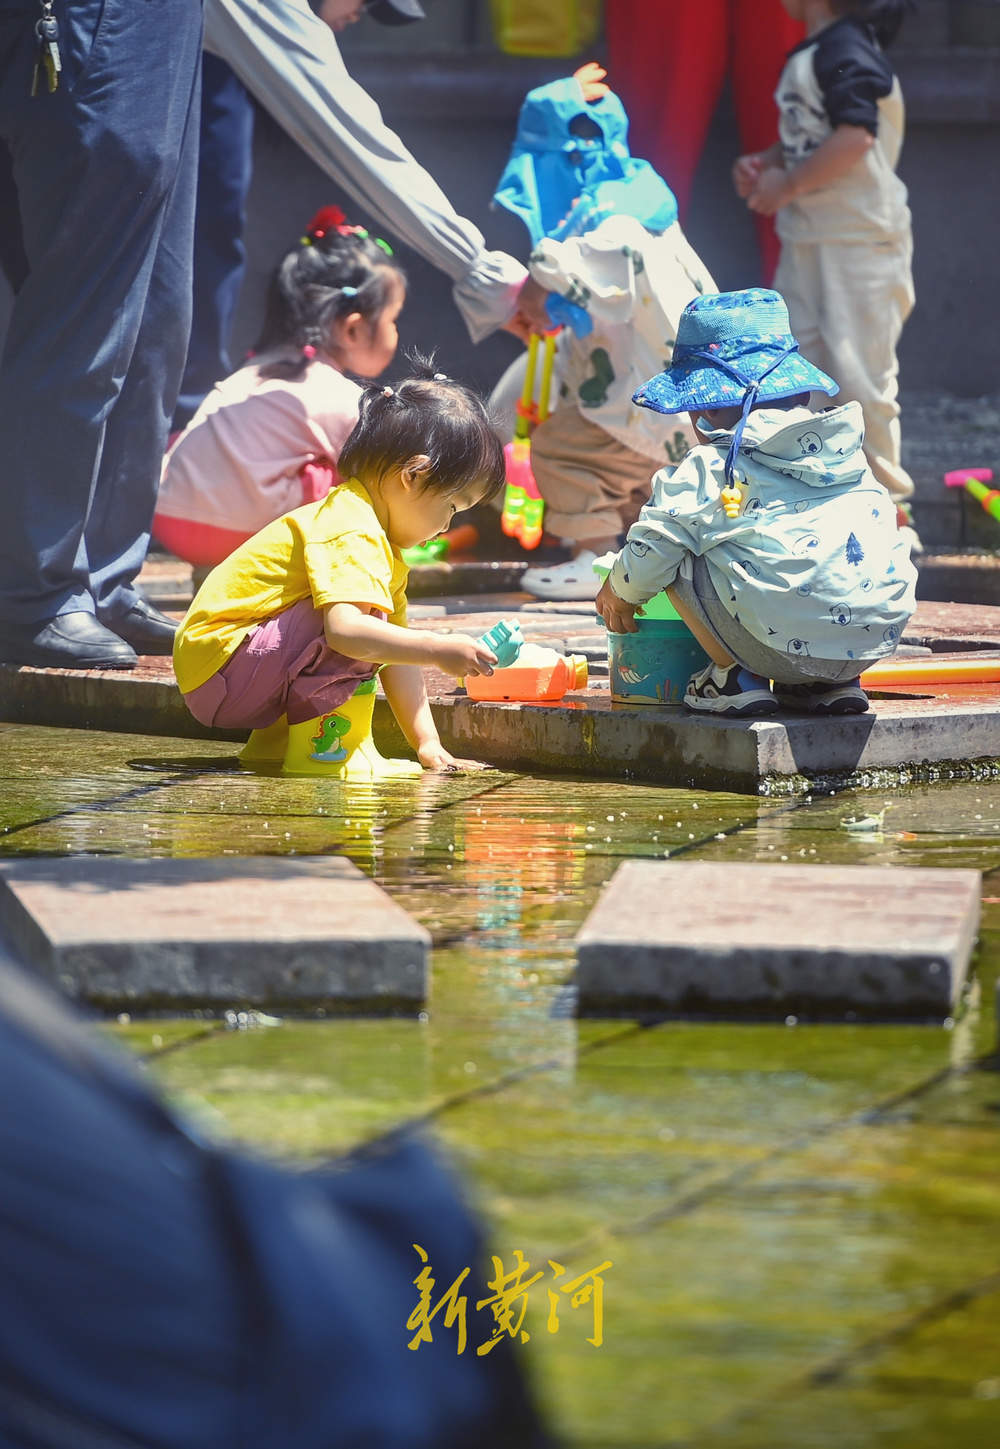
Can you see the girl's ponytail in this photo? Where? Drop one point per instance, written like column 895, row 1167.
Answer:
column 335, row 269
column 426, row 414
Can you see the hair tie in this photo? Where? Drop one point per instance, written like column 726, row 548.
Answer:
column 387, row 392
column 309, row 351
column 348, row 291
column 441, row 377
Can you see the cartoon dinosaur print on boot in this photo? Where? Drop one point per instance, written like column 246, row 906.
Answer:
column 332, row 728
column 593, row 391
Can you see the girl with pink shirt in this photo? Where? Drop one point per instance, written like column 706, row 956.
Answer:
column 267, row 439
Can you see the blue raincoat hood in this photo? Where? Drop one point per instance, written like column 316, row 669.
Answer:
column 561, row 185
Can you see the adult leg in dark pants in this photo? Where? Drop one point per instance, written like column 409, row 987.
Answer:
column 225, row 165
column 104, row 169
column 13, row 262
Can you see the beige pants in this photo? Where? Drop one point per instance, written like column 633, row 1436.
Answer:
column 593, row 485
column 848, row 302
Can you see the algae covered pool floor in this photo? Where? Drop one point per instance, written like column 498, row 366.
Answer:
column 802, row 1220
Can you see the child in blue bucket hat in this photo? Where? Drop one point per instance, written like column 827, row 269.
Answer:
column 612, row 265
column 773, row 539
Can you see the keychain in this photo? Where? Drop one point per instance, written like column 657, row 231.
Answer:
column 48, row 57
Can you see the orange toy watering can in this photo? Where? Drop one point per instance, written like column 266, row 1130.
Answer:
column 539, row 675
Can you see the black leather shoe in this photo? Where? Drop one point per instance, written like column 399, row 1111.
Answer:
column 70, row 641
column 145, row 628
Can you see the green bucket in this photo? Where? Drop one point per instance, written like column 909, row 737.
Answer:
column 654, row 665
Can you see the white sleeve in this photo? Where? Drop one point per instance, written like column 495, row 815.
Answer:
column 288, row 59
column 596, row 271
column 676, row 521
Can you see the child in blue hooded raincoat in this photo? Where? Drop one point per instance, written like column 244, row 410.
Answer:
column 608, row 248
column 773, row 539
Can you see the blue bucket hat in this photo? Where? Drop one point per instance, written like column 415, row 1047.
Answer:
column 733, row 349
column 560, row 183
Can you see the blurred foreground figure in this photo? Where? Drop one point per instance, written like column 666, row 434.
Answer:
column 157, row 1291
column 98, row 168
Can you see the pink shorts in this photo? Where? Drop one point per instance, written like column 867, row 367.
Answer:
column 283, row 667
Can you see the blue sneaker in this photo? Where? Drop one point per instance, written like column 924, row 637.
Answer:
column 734, row 693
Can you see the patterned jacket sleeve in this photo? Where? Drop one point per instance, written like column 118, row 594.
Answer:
column 675, row 522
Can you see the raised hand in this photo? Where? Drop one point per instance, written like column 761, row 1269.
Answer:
column 746, row 173
column 591, row 79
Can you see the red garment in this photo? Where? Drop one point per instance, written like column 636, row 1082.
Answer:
column 205, row 544
column 669, row 62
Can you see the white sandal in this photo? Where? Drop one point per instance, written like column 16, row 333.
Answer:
column 574, row 579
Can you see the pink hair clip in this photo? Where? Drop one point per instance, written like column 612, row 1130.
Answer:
column 309, row 351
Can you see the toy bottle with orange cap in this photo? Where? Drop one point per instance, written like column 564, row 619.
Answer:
column 538, row 675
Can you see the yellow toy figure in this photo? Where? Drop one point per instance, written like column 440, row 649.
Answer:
column 732, row 499
column 523, row 505
column 285, row 637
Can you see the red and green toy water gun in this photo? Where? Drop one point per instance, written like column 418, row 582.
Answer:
column 523, row 505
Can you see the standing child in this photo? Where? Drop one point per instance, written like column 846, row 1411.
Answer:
column 842, row 214
column 285, row 637
column 774, row 541
column 267, row 439
column 607, row 242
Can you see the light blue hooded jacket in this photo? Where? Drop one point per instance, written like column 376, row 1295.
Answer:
column 814, row 565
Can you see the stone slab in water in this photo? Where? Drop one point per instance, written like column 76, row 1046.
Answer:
column 699, row 938
column 304, row 933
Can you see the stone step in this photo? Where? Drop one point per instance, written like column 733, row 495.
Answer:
column 302, row 934
column 923, row 727
column 168, row 582
column 695, row 938
column 971, row 577
column 960, row 578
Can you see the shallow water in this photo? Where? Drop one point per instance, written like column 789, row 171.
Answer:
column 802, row 1220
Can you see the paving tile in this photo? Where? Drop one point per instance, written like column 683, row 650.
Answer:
column 697, row 937
column 137, row 934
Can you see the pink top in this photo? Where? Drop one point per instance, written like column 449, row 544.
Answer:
column 237, row 464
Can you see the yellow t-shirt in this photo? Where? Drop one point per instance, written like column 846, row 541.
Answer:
column 334, row 550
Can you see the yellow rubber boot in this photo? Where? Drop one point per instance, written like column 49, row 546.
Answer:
column 340, row 745
column 267, row 746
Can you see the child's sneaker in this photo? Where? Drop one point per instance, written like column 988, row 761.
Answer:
column 821, row 698
column 734, row 692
